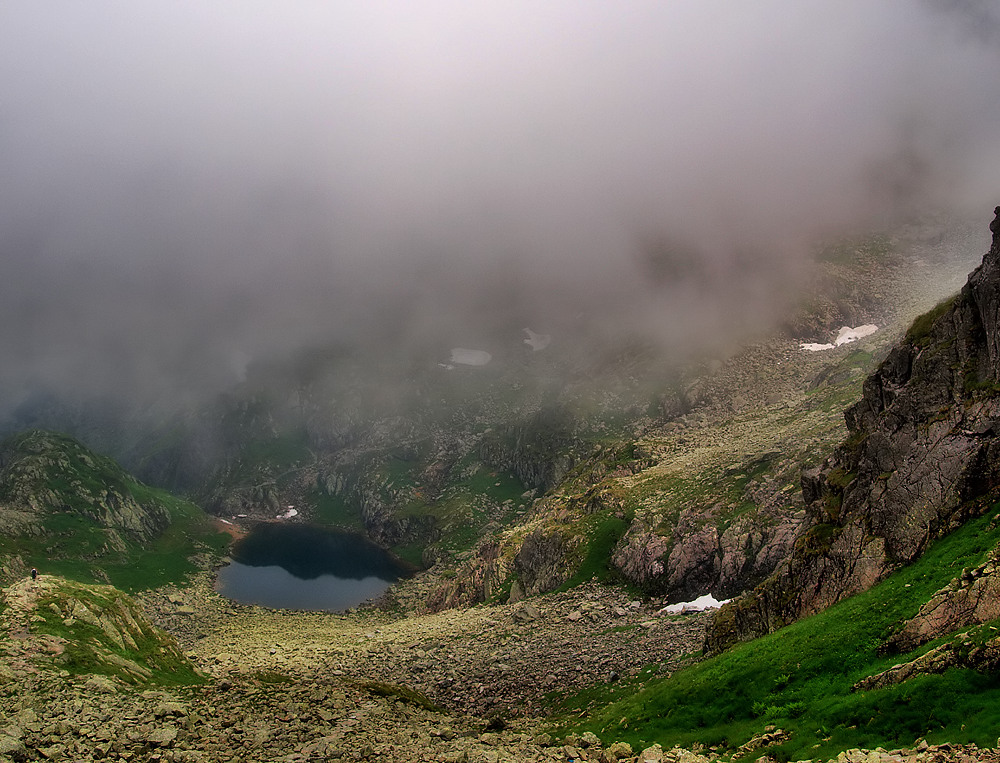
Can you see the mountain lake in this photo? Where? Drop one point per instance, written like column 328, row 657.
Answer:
column 297, row 566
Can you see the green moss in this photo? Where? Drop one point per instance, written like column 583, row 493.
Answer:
column 818, row 539
column 972, row 383
column 840, row 478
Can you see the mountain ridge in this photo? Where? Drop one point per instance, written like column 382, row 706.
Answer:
column 922, row 446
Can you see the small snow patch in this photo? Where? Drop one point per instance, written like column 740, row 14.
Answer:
column 537, row 341
column 470, row 357
column 844, row 336
column 289, row 513
column 698, row 605
column 847, row 334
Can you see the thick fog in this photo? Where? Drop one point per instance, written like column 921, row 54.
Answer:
column 187, row 185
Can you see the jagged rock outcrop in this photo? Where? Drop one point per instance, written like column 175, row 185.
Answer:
column 84, row 629
column 639, row 553
column 704, row 555
column 923, row 444
column 477, row 580
column 542, row 561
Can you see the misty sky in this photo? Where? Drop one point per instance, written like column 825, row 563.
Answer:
column 187, row 184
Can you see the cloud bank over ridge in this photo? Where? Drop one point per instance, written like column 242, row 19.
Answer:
column 185, row 184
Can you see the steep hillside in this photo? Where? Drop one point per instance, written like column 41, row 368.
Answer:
column 42, row 473
column 64, row 508
column 921, row 453
column 514, row 496
column 702, row 494
column 834, row 680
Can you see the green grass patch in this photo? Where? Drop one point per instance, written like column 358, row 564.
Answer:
column 729, row 488
column 801, row 677
column 460, row 515
column 168, row 558
column 411, row 553
column 85, row 503
column 75, row 548
column 334, row 510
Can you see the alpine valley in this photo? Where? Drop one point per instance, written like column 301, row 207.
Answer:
column 554, row 499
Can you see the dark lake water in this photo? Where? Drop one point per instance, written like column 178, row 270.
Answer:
column 296, row 566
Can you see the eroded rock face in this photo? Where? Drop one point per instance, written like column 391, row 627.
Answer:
column 693, row 563
column 477, row 580
column 56, row 624
column 923, row 442
column 536, row 451
column 639, row 554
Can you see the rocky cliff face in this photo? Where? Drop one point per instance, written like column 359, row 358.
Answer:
column 923, row 445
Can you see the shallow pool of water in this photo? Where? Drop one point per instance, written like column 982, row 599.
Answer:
column 298, row 566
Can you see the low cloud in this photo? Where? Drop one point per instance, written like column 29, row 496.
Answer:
column 188, row 185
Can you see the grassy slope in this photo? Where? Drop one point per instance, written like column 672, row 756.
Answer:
column 800, row 678
column 168, row 557
column 714, row 468
column 476, row 496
